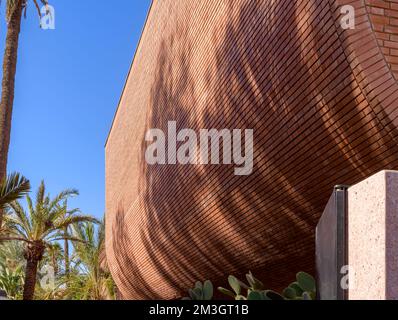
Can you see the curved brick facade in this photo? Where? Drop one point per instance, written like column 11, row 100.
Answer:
column 323, row 103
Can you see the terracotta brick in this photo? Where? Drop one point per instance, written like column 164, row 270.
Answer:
column 378, row 3
column 391, row 13
column 322, row 102
column 392, row 60
column 383, row 20
column 394, row 21
column 386, row 27
column 377, row 11
column 391, row 44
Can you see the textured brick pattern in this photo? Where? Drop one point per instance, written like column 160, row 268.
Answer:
column 384, row 18
column 323, row 104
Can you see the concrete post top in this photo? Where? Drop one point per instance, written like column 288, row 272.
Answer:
column 373, row 178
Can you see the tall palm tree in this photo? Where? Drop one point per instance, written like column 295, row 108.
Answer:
column 66, row 245
column 12, row 188
column 38, row 228
column 14, row 11
column 66, row 252
column 90, row 282
column 54, row 256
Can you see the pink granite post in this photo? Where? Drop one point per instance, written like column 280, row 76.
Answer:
column 373, row 237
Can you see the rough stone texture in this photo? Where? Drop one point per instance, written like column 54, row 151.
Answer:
column 323, row 105
column 367, row 238
column 373, row 237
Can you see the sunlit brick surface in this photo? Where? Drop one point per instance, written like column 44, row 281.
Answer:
column 322, row 101
column 384, row 19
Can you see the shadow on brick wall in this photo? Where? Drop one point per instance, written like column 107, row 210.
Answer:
column 313, row 130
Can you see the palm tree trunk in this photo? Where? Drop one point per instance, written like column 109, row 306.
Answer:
column 30, row 279
column 66, row 250
column 55, row 264
column 8, row 86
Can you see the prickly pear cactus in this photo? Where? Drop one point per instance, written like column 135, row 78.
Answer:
column 201, row 291
column 303, row 289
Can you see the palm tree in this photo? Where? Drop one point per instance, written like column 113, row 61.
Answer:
column 40, row 227
column 12, row 188
column 91, row 281
column 54, row 256
column 66, row 247
column 14, row 11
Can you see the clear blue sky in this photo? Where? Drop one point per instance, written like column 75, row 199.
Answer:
column 68, row 84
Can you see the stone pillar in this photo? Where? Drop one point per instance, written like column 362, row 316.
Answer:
column 373, row 237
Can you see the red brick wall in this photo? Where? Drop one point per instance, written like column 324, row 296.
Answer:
column 323, row 105
column 384, row 17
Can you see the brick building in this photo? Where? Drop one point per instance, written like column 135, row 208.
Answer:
column 323, row 103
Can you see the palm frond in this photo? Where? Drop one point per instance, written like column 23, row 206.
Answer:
column 13, row 226
column 14, row 239
column 75, row 219
column 14, row 187
column 20, row 217
column 40, row 195
column 62, row 196
column 30, row 205
column 66, row 238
